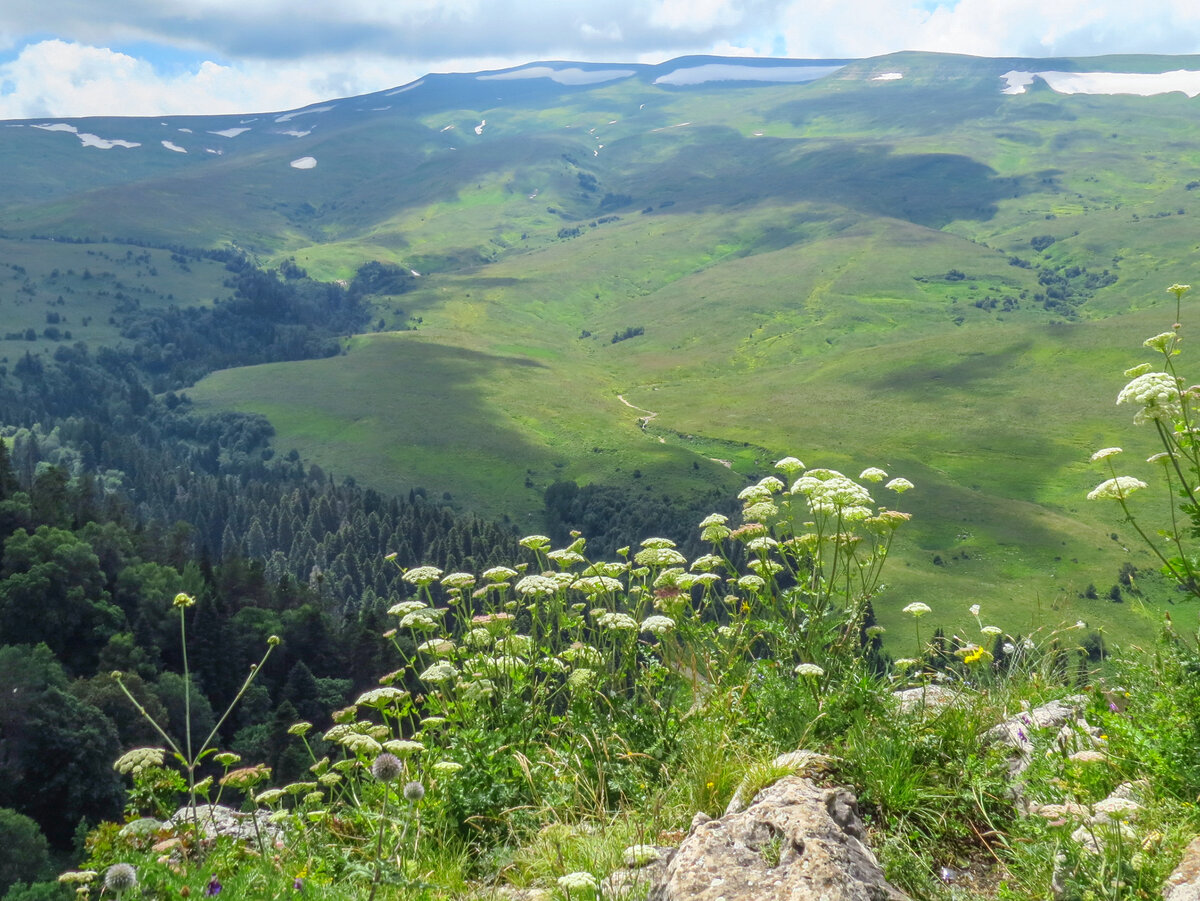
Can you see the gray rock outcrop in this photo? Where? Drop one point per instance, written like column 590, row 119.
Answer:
column 795, row 842
column 217, row 820
column 1184, row 883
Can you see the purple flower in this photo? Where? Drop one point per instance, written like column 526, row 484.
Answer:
column 1021, row 735
column 1112, row 705
column 214, row 887
column 298, row 885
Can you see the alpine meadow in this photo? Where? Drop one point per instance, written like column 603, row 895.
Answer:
column 293, row 401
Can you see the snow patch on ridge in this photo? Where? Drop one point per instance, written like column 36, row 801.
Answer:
column 573, row 75
column 407, row 87
column 174, row 147
column 229, row 132
column 733, row 72
column 305, row 162
column 1016, row 81
column 288, row 117
column 88, row 139
column 888, row 76
column 1142, row 84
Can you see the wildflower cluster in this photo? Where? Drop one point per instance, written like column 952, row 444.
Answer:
column 505, row 668
column 1162, row 399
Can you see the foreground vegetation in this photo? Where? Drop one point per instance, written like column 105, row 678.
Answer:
column 551, row 719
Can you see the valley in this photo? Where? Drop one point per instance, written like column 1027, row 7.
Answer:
column 890, row 261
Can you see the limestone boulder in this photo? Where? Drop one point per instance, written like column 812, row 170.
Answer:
column 797, row 841
column 1184, row 883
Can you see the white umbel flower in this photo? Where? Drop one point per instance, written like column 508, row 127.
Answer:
column 1116, row 489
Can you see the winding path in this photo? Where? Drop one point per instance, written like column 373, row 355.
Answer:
column 644, row 421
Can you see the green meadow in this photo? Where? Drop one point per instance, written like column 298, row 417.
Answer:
column 922, row 271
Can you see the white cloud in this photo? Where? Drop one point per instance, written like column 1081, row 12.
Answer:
column 694, row 15
column 1033, row 28
column 60, row 79
column 609, row 31
column 240, row 56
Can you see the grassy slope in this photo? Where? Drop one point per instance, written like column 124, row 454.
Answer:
column 93, row 282
column 790, row 285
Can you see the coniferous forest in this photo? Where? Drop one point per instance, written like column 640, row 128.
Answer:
column 115, row 496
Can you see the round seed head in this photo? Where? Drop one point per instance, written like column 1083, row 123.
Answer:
column 120, row 878
column 386, row 767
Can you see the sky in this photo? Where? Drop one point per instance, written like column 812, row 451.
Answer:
column 73, row 58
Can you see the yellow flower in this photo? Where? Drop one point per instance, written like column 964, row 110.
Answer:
column 974, row 655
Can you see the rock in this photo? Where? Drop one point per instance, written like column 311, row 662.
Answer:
column 510, row 893
column 632, row 882
column 1184, row 883
column 795, row 842
column 217, row 820
column 699, row 820
column 930, row 697
column 1016, row 730
column 793, row 763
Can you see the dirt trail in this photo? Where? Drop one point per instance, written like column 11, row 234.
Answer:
column 644, row 421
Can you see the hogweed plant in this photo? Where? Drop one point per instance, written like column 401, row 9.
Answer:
column 187, row 756
column 567, row 708
column 575, row 675
column 1163, row 399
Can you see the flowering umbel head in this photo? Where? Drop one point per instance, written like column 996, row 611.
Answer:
column 184, row 600
column 1116, row 489
column 1156, row 393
